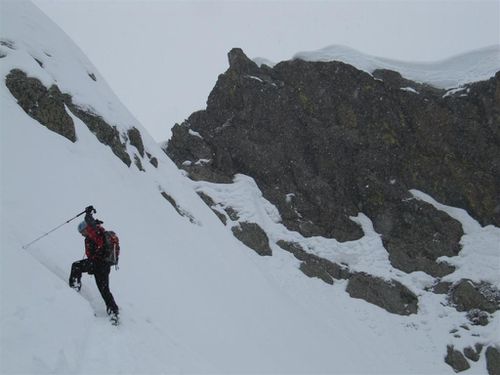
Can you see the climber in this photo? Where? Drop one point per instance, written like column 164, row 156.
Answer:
column 96, row 263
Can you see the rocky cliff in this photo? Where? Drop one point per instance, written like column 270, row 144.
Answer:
column 325, row 141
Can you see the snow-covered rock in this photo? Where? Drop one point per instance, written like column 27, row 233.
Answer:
column 450, row 73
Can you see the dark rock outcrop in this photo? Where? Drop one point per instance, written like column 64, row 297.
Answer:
column 252, row 235
column 478, row 317
column 456, row 359
column 473, row 353
column 315, row 266
column 409, row 234
column 105, row 133
column 210, row 203
column 179, row 209
column 442, row 287
column 135, row 138
column 493, row 360
column 390, row 295
column 47, row 106
column 152, row 159
column 44, row 105
column 138, row 163
column 232, row 213
column 466, row 296
column 343, row 142
column 189, row 150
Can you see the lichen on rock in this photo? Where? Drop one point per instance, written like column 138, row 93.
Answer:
column 48, row 107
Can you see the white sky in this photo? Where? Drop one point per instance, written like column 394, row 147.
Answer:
column 162, row 58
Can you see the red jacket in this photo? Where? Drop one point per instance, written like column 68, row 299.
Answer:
column 94, row 241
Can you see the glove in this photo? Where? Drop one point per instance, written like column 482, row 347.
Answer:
column 90, row 210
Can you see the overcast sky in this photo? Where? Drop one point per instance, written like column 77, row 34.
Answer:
column 162, row 58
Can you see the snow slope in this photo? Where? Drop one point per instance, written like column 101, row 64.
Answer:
column 450, row 73
column 193, row 299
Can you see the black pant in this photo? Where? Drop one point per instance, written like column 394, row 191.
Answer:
column 100, row 270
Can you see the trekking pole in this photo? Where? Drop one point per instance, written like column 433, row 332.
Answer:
column 49, row 232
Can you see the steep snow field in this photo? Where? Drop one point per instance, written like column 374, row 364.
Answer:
column 193, row 299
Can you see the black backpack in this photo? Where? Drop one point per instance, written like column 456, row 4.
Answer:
column 111, row 248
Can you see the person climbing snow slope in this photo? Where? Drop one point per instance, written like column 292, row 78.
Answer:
column 97, row 262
